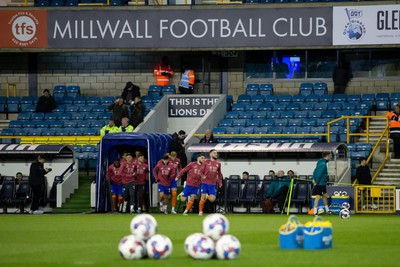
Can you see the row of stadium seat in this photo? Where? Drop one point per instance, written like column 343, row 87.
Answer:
column 278, row 129
column 319, row 98
column 56, row 3
column 254, row 106
column 284, row 122
column 157, row 90
column 51, row 132
column 302, row 114
column 45, row 124
column 64, row 116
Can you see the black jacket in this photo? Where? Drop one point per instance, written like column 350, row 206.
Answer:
column 211, row 140
column 45, row 104
column 36, row 173
column 176, row 145
column 137, row 113
column 119, row 112
column 363, row 175
column 129, row 95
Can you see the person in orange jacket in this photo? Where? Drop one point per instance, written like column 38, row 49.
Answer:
column 394, row 128
column 163, row 72
column 187, row 80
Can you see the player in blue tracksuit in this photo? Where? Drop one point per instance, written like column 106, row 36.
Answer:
column 320, row 179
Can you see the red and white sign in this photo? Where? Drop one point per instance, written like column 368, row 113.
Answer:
column 23, row 29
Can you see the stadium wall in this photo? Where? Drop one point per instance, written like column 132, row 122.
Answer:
column 105, row 73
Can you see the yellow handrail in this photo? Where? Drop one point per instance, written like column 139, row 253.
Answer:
column 13, row 86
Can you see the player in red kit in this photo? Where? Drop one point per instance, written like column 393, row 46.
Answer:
column 174, row 187
column 193, row 181
column 142, row 175
column 128, row 181
column 211, row 169
column 114, row 176
column 164, row 172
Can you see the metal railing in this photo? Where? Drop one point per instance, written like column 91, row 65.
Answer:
column 375, row 199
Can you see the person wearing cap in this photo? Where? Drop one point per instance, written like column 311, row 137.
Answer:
column 36, row 182
column 109, row 128
column 178, row 145
column 363, row 176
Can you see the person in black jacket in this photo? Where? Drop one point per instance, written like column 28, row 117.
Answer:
column 341, row 75
column 178, row 146
column 208, row 137
column 137, row 112
column 119, row 111
column 363, row 176
column 46, row 102
column 36, row 182
column 130, row 92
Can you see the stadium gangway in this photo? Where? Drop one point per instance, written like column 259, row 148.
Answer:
column 384, row 135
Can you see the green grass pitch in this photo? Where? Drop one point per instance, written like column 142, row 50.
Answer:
column 92, row 240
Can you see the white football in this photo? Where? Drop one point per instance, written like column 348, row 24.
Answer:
column 200, row 247
column 344, row 214
column 215, row 226
column 143, row 226
column 346, row 205
column 132, row 248
column 187, row 243
column 227, row 247
column 159, row 247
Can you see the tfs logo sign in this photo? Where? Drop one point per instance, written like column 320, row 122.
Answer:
column 23, row 28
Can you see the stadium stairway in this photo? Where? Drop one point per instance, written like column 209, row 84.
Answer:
column 79, row 202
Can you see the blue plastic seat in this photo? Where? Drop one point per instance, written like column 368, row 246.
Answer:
column 244, row 99
column 274, row 130
column 267, row 122
column 76, row 131
column 59, row 124
column 219, row 130
column 294, row 106
column 354, row 98
column 80, row 100
column 329, row 114
column 167, row 91
column 289, row 114
column 239, row 123
column 239, row 107
column 232, row 130
column 320, row 91
column 60, row 109
column 154, row 90
column 34, row 132
column 245, row 115
column 254, row 122
column 107, row 100
column 284, row 98
column 308, row 105
column 349, row 106
column 364, row 147
column 296, row 122
column 72, row 108
column 281, row 122
column 49, row 132
column 91, row 115
column 78, row 115
column 246, row 130
column 70, row 123
column 38, row 116
column 266, row 89
column 104, row 115
column 73, row 90
column 298, row 98
column 301, row 114
column 326, row 98
column 86, row 109
column 314, row 114
column 232, row 115
column 99, row 108
column 252, row 89
column 7, row 132
column 321, row 122
column 265, row 107
column 259, row 114
column 321, row 106
column 225, row 123
column 65, row 116
column 13, row 104
column 335, row 106
column 271, row 99
column 91, row 131
column 274, row 114
column 15, row 124
column 257, row 99
column 93, row 100
column 27, row 101
column 68, row 100
column 252, row 107
column 279, row 107
column 309, row 122
column 303, row 130
column 43, row 124
column 312, row 98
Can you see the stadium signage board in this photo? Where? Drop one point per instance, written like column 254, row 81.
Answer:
column 190, row 106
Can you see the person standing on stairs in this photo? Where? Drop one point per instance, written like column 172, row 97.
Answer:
column 394, row 128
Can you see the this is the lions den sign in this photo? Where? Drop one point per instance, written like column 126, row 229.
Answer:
column 191, row 106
